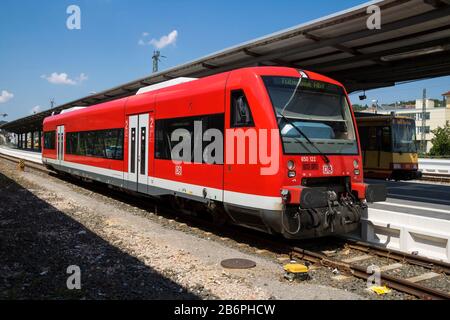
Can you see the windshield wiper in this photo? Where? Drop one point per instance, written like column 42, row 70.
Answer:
column 323, row 155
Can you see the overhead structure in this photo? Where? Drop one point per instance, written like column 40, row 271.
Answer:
column 413, row 43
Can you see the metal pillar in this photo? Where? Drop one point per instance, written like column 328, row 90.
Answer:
column 39, row 141
column 424, row 122
column 32, row 140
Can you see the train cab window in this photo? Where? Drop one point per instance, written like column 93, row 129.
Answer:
column 50, row 140
column 241, row 114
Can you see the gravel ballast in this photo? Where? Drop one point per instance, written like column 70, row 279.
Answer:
column 47, row 225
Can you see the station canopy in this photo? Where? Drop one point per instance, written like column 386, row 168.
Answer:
column 413, row 43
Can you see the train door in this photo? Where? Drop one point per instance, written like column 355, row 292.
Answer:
column 60, row 144
column 138, row 152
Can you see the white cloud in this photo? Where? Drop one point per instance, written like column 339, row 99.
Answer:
column 82, row 78
column 63, row 78
column 165, row 41
column 161, row 43
column 5, row 96
column 36, row 109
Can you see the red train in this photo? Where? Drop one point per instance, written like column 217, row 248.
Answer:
column 269, row 148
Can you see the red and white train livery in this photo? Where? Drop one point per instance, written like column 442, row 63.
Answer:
column 314, row 188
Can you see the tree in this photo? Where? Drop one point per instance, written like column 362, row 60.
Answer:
column 358, row 107
column 441, row 141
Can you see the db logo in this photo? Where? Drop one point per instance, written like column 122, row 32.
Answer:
column 328, row 169
column 178, row 170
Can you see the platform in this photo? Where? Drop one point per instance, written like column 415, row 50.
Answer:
column 35, row 157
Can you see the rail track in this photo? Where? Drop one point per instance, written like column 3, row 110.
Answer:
column 436, row 178
column 315, row 256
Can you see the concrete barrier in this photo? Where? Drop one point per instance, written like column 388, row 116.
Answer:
column 435, row 166
column 409, row 233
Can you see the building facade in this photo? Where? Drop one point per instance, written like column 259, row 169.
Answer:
column 435, row 117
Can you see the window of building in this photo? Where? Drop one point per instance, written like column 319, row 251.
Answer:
column 165, row 128
column 427, row 116
column 427, row 129
column 241, row 114
column 50, row 140
column 107, row 144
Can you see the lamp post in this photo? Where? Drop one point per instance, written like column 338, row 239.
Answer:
column 375, row 103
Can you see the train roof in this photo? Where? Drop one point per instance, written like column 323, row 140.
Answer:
column 191, row 85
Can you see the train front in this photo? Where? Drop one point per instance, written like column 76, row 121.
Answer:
column 323, row 189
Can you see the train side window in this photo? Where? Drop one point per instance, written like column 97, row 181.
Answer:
column 107, row 144
column 50, row 140
column 241, row 114
column 165, row 127
column 372, row 143
column 386, row 144
column 363, row 137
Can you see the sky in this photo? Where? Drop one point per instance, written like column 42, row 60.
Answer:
column 42, row 59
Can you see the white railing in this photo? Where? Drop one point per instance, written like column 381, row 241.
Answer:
column 435, row 166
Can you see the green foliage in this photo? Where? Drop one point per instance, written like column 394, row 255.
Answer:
column 358, row 107
column 441, row 141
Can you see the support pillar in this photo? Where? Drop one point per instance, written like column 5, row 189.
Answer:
column 32, row 140
column 39, row 140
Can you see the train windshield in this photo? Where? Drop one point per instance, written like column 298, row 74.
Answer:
column 404, row 136
column 319, row 111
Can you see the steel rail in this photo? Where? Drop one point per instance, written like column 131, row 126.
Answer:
column 396, row 283
column 435, row 265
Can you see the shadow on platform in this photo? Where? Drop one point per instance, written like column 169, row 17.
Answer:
column 38, row 243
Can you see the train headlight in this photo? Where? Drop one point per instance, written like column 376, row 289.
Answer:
column 292, row 174
column 357, row 172
column 356, row 164
column 291, row 165
column 397, row 166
